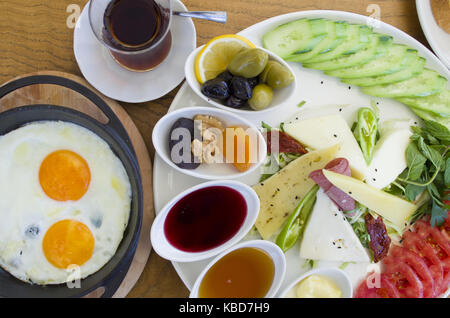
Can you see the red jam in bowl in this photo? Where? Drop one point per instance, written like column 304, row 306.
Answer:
column 205, row 219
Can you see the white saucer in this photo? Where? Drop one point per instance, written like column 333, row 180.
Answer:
column 439, row 39
column 102, row 72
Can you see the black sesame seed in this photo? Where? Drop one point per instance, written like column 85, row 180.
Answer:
column 335, row 136
column 376, row 170
column 349, row 87
column 374, row 179
column 339, row 247
column 321, row 82
column 340, row 109
column 350, row 192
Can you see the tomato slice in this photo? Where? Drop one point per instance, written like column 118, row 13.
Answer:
column 413, row 242
column 433, row 236
column 406, row 280
column 387, row 289
column 418, row 265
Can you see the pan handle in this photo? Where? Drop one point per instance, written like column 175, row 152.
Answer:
column 114, row 123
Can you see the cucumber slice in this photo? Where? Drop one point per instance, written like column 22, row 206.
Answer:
column 358, row 36
column 361, row 57
column 427, row 83
column 438, row 104
column 387, row 63
column 415, row 67
column 299, row 35
column 445, row 121
column 336, row 34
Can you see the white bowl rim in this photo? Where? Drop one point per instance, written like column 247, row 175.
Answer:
column 324, row 272
column 267, row 246
column 189, row 65
column 157, row 231
column 157, row 131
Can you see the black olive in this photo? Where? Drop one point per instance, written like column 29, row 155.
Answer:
column 32, row 231
column 181, row 135
column 235, row 102
column 240, row 88
column 216, row 88
column 226, row 76
column 253, row 82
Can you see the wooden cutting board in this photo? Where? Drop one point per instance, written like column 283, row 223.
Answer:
column 61, row 96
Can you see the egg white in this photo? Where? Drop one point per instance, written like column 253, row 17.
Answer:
column 105, row 207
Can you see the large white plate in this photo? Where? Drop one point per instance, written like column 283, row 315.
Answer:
column 318, row 90
column 438, row 38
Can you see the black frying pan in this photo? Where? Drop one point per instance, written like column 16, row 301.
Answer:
column 112, row 274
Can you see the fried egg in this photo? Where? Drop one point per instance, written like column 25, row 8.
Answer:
column 65, row 201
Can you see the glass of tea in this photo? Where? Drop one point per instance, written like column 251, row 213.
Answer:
column 136, row 32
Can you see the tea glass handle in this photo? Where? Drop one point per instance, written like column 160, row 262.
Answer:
column 215, row 16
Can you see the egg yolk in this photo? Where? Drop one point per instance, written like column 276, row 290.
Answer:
column 64, row 176
column 68, row 242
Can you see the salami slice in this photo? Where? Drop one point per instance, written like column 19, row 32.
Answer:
column 339, row 197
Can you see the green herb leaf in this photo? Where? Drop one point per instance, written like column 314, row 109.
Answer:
column 412, row 191
column 415, row 161
column 301, row 103
column 437, row 130
column 438, row 215
column 447, row 173
column 266, row 126
column 430, row 153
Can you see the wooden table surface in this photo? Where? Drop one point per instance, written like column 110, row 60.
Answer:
column 35, row 35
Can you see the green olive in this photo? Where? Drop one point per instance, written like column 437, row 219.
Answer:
column 248, row 63
column 261, row 98
column 276, row 75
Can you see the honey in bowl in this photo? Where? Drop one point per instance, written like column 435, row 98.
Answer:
column 243, row 273
column 205, row 219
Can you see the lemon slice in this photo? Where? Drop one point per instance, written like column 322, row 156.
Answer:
column 215, row 56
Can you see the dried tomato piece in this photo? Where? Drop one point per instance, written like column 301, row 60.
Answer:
column 286, row 144
column 379, row 239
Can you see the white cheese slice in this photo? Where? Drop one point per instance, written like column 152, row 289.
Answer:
column 389, row 158
column 328, row 235
column 389, row 206
column 323, row 132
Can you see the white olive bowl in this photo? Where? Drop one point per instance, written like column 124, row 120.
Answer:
column 214, row 171
column 277, row 255
column 337, row 275
column 280, row 96
column 166, row 250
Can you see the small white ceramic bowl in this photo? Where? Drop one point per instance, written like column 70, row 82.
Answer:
column 336, row 275
column 270, row 248
column 166, row 250
column 280, row 96
column 216, row 171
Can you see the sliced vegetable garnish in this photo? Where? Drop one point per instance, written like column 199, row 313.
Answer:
column 295, row 225
column 366, row 131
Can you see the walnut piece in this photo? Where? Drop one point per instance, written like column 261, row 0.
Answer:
column 207, row 150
